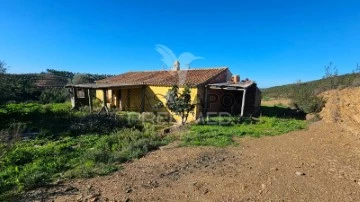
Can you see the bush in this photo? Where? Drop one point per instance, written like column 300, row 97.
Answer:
column 53, row 95
column 306, row 100
column 101, row 124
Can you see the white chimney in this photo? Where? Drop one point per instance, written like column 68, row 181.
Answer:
column 176, row 65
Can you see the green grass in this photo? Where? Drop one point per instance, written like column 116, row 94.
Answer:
column 222, row 134
column 68, row 144
column 29, row 164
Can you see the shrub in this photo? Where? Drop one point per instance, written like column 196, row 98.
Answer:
column 53, row 95
column 306, row 100
column 96, row 123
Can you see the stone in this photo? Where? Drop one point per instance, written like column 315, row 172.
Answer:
column 299, row 173
column 274, row 169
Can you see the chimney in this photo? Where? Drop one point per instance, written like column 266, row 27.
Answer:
column 176, row 65
column 235, row 78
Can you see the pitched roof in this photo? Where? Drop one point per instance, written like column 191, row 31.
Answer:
column 191, row 77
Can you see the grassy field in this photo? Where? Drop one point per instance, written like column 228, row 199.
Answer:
column 221, row 132
column 66, row 145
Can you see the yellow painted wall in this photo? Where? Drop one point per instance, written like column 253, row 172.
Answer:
column 159, row 93
column 110, row 99
column 134, row 99
column 99, row 94
column 131, row 99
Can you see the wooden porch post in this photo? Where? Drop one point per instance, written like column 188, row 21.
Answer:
column 104, row 98
column 142, row 99
column 128, row 100
column 90, row 100
column 75, row 98
column 206, row 101
column 243, row 103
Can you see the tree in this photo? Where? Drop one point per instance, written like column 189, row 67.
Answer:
column 331, row 76
column 66, row 74
column 305, row 98
column 180, row 103
column 330, row 71
column 2, row 67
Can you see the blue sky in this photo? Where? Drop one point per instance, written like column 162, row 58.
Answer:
column 271, row 42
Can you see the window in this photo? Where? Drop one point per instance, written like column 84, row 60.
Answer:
column 80, row 93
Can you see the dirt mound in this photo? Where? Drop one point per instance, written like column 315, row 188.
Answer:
column 343, row 107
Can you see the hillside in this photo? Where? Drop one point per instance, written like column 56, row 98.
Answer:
column 42, row 87
column 318, row 86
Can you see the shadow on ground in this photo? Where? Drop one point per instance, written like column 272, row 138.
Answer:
column 282, row 112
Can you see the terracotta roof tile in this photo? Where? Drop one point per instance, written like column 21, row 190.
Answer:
column 189, row 77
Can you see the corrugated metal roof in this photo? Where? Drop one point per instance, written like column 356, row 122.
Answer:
column 232, row 86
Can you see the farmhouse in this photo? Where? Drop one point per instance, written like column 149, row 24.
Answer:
column 213, row 90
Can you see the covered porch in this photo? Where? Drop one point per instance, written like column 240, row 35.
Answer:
column 110, row 95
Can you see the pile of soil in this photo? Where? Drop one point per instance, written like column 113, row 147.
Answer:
column 343, row 107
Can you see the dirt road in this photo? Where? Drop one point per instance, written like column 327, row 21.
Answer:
column 321, row 163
